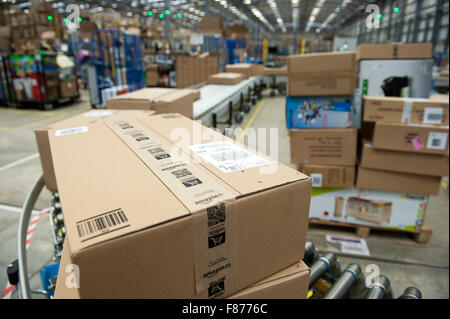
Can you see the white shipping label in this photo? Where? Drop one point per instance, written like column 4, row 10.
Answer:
column 73, row 130
column 227, row 156
column 433, row 115
column 316, row 179
column 98, row 113
column 353, row 246
column 437, row 140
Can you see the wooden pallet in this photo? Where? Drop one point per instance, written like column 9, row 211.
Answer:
column 422, row 237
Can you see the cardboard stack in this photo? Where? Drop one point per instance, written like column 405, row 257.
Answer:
column 193, row 70
column 212, row 24
column 407, row 150
column 150, row 213
column 226, row 78
column 160, row 100
column 152, row 75
column 319, row 114
column 248, row 70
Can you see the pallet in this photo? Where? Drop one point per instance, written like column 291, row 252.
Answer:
column 422, row 237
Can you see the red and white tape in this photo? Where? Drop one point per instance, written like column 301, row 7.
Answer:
column 30, row 230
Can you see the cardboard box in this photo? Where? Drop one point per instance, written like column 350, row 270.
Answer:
column 370, row 208
column 226, row 78
column 405, row 110
column 404, row 162
column 160, row 190
column 329, row 175
column 212, row 24
column 322, row 74
column 388, row 51
column 160, row 100
column 323, row 146
column 244, row 68
column 72, row 123
column 397, row 182
column 68, row 88
column 414, row 138
column 321, row 112
column 439, row 97
column 289, row 283
column 275, row 71
column 237, row 31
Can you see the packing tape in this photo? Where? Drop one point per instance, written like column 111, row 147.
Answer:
column 330, row 75
column 407, row 110
column 211, row 206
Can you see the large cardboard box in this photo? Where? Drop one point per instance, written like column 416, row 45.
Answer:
column 374, row 179
column 244, row 68
column 404, row 162
column 162, row 207
column 387, row 51
column 275, row 71
column 322, row 74
column 405, row 110
column 74, row 123
column 160, row 100
column 329, row 175
column 68, row 88
column 289, row 283
column 212, row 24
column 237, row 31
column 226, row 78
column 322, row 112
column 414, row 138
column 323, row 146
column 399, row 211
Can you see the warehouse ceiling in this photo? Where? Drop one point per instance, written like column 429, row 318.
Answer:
column 272, row 16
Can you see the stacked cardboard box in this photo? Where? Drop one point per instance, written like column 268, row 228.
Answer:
column 212, row 24
column 237, row 31
column 193, row 70
column 321, row 118
column 150, row 215
column 408, row 148
column 226, row 78
column 152, row 75
column 248, row 70
column 160, row 100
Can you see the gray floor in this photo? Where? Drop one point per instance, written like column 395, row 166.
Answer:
column 398, row 256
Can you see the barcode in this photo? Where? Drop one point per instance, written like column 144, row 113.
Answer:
column 316, row 179
column 125, row 126
column 181, row 173
column 230, row 155
column 436, row 142
column 101, row 223
column 434, row 117
column 156, row 150
column 139, row 137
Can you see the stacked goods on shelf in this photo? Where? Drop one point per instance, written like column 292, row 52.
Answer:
column 247, row 213
column 226, row 78
column 320, row 117
column 407, row 146
column 192, row 70
column 73, row 124
column 160, row 100
column 212, row 25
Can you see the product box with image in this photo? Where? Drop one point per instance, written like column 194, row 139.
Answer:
column 399, row 211
column 321, row 112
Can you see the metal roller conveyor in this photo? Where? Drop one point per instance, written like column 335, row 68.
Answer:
column 380, row 289
column 411, row 293
column 344, row 282
column 321, row 266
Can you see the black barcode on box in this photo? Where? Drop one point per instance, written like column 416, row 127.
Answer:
column 102, row 223
column 181, row 173
column 434, row 117
column 230, row 155
column 436, row 142
column 125, row 126
column 139, row 137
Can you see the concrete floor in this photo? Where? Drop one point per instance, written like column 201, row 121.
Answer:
column 398, row 256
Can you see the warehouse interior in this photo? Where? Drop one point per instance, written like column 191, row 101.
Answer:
column 335, row 114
